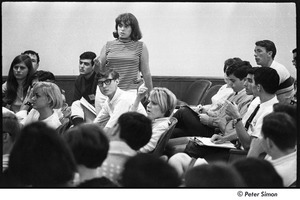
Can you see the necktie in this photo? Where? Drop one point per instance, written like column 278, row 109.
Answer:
column 237, row 143
column 248, row 122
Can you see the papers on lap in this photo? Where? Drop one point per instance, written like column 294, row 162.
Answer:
column 88, row 109
column 205, row 141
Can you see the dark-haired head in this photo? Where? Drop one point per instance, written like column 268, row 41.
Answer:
column 268, row 45
column 12, row 84
column 135, row 129
column 147, row 170
column 258, row 172
column 131, row 20
column 268, row 78
column 89, row 144
column 88, row 55
column 41, row 158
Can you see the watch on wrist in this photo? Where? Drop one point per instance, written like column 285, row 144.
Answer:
column 237, row 120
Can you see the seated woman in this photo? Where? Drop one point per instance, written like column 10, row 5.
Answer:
column 159, row 109
column 45, row 97
column 18, row 82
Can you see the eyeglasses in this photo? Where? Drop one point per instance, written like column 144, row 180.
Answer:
column 107, row 82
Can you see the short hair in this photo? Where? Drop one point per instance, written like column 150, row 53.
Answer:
column 252, row 70
column 40, row 157
column 52, row 91
column 88, row 55
column 213, row 175
column 165, row 99
column 33, row 53
column 88, row 143
column 268, row 78
column 147, row 170
column 135, row 129
column 269, row 45
column 239, row 69
column 281, row 129
column 258, row 172
column 42, row 75
column 131, row 20
column 286, row 108
column 11, row 125
column 105, row 74
column 230, row 62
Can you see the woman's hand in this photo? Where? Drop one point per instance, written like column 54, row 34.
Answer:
column 217, row 139
column 27, row 100
column 142, row 91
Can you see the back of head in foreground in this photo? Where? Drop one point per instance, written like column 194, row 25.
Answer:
column 89, row 145
column 257, row 172
column 41, row 158
column 135, row 129
column 213, row 175
column 148, row 171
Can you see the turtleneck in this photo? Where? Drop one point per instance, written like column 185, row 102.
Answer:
column 125, row 40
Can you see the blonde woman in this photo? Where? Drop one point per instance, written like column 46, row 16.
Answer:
column 159, row 109
column 45, row 98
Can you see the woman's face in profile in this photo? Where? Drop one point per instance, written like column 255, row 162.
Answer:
column 124, row 30
column 153, row 110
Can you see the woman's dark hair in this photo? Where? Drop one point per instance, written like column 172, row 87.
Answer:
column 41, row 158
column 129, row 19
column 12, row 84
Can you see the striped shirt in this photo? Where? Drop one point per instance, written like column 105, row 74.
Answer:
column 124, row 57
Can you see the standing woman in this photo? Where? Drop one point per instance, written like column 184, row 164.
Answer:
column 46, row 97
column 19, row 79
column 126, row 55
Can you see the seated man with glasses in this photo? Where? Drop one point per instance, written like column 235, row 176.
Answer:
column 118, row 101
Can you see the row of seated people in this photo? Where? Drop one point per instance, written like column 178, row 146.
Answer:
column 106, row 111
column 84, row 155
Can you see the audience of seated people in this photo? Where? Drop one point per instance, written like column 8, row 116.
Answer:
column 39, row 158
column 188, row 120
column 161, row 105
column 89, row 145
column 264, row 54
column 223, row 93
column 34, row 155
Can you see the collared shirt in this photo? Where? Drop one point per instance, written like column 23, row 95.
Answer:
column 159, row 126
column 114, row 108
column 256, row 124
column 286, row 166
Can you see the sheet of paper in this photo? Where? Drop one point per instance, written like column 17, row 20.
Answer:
column 206, row 141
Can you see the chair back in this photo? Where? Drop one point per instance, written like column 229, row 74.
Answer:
column 164, row 138
column 196, row 91
column 209, row 94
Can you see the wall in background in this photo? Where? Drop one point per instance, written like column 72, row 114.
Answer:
column 183, row 39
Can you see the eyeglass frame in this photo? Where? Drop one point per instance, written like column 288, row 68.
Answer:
column 100, row 83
